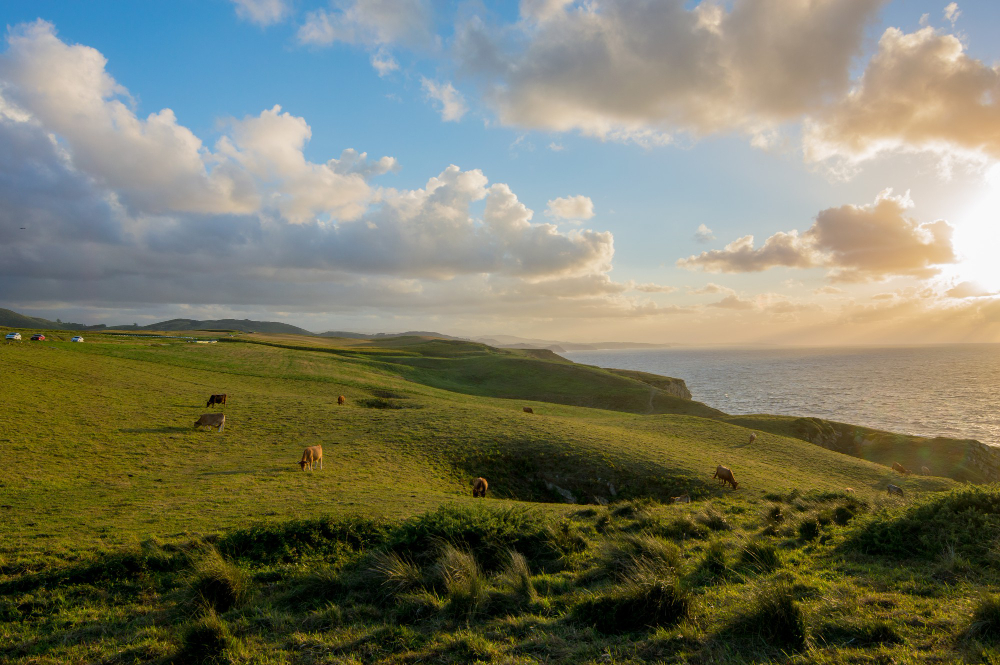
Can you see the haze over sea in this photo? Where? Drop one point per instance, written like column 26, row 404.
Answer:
column 948, row 390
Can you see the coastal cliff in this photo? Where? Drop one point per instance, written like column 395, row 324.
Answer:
column 667, row 384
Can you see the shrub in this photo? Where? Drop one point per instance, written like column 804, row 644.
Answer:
column 760, row 556
column 986, row 620
column 966, row 518
column 773, row 617
column 634, row 606
column 207, row 640
column 379, row 403
column 290, row 541
column 218, row 584
column 487, row 532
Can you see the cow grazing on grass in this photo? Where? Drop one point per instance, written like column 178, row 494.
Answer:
column 894, row 489
column 342, row 400
column 216, row 399
column 479, row 486
column 212, row 420
column 725, row 475
column 684, row 498
column 925, row 471
column 528, row 409
column 896, row 466
column 753, row 436
column 850, row 490
column 310, row 456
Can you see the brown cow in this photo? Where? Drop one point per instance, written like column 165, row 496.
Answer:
column 925, row 471
column 216, row 399
column 341, row 400
column 527, row 409
column 894, row 489
column 212, row 420
column 479, row 486
column 310, row 456
column 753, row 436
column 896, row 466
column 725, row 475
column 684, row 498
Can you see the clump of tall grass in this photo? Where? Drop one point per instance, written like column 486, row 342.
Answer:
column 713, row 519
column 715, row 560
column 218, row 585
column 771, row 616
column 207, row 640
column 985, row 624
column 518, row 575
column 395, row 573
column 760, row 556
column 635, row 605
column 462, row 580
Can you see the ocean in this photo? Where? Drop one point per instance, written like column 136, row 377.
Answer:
column 947, row 390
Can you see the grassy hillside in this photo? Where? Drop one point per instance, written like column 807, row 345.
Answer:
column 128, row 536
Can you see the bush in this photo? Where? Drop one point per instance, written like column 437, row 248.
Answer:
column 379, row 403
column 967, row 519
column 986, row 620
column 291, row 541
column 634, row 606
column 773, row 617
column 489, row 533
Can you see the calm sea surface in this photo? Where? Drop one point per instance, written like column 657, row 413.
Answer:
column 949, row 390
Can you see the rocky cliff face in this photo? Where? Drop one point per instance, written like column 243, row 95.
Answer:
column 667, row 384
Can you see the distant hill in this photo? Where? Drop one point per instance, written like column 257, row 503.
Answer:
column 243, row 325
column 514, row 342
column 409, row 333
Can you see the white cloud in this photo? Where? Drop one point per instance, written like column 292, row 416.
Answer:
column 952, row 12
column 383, row 62
column 452, row 104
column 857, row 243
column 262, row 12
column 556, row 147
column 704, row 234
column 920, row 91
column 640, row 71
column 571, row 207
column 370, row 23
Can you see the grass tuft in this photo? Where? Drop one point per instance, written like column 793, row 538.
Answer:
column 634, row 606
column 207, row 640
column 219, row 585
column 773, row 617
column 985, row 624
column 760, row 556
column 397, row 574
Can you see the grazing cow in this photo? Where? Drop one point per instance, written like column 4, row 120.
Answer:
column 850, row 490
column 479, row 486
column 896, row 466
column 725, row 476
column 684, row 498
column 216, row 399
column 341, row 400
column 310, row 456
column 527, row 409
column 212, row 420
column 753, row 436
column 925, row 471
column 894, row 489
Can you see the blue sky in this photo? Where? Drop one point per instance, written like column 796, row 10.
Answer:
column 633, row 105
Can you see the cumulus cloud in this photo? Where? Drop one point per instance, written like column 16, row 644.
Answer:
column 370, row 23
column 120, row 211
column 262, row 12
column 571, row 207
column 952, row 12
column 450, row 101
column 704, row 234
column 857, row 243
column 920, row 91
column 640, row 70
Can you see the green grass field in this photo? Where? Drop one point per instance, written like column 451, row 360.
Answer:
column 121, row 522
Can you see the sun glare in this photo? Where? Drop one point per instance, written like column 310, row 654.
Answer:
column 977, row 238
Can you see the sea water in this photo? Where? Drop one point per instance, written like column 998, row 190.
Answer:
column 948, row 390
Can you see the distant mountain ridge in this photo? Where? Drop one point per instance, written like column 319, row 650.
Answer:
column 12, row 319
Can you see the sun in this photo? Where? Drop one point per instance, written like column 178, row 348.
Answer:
column 977, row 238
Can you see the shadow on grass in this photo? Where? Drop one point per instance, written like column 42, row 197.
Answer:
column 155, row 430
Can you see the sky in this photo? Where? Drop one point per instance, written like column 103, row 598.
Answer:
column 786, row 172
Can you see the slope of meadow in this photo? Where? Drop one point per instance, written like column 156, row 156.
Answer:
column 128, row 536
